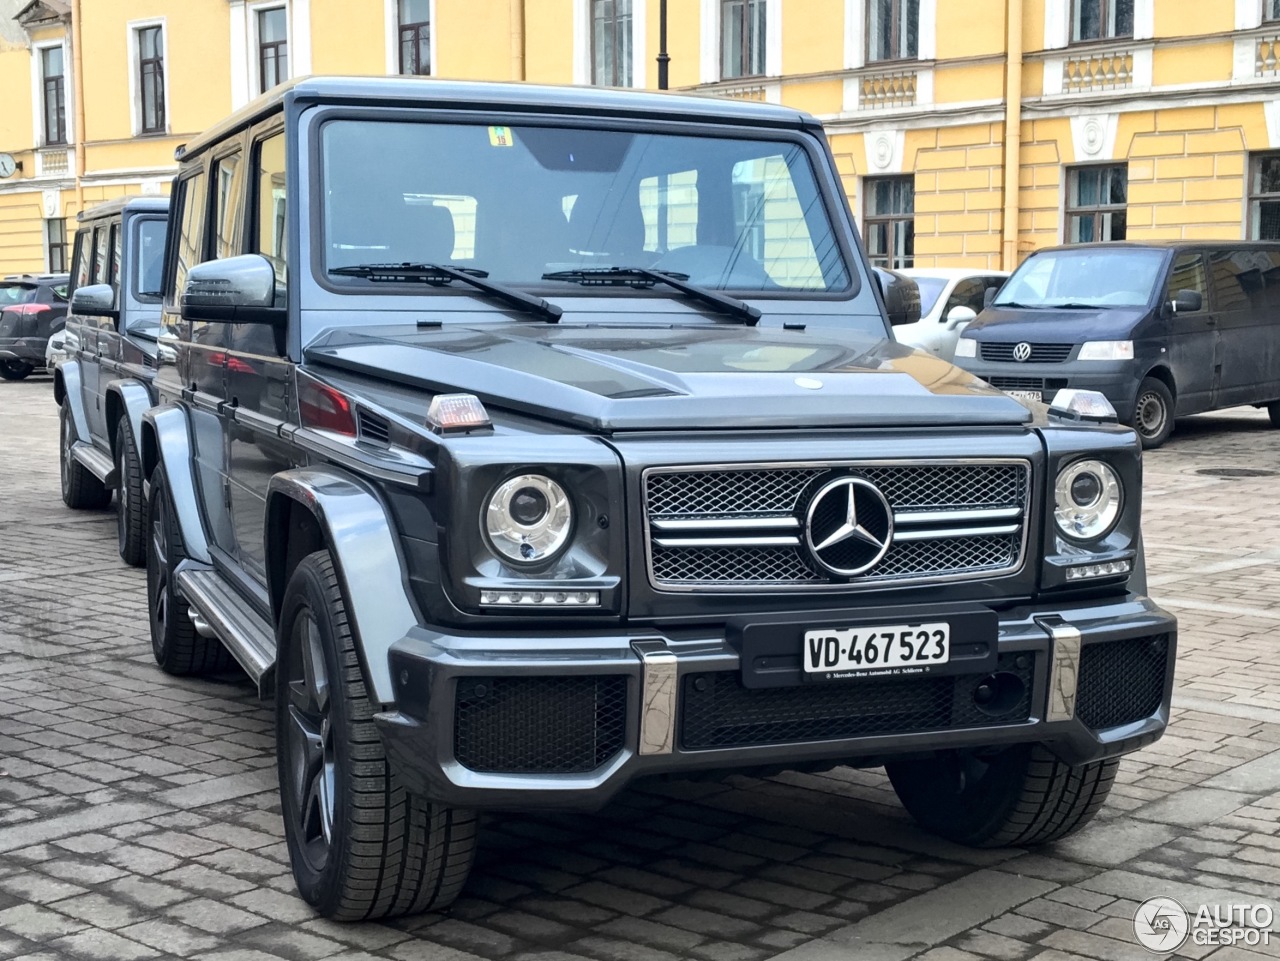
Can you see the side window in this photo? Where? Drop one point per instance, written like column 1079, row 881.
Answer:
column 271, row 203
column 114, row 271
column 98, row 270
column 967, row 293
column 1245, row 279
column 189, row 244
column 226, row 215
column 1187, row 274
column 80, row 266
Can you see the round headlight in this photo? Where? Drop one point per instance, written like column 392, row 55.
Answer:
column 1087, row 499
column 528, row 519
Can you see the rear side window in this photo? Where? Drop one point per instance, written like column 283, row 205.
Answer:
column 100, row 271
column 1245, row 279
column 226, row 214
column 1187, row 274
column 80, row 271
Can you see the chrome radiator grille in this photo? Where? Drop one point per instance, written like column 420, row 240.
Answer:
column 717, row 528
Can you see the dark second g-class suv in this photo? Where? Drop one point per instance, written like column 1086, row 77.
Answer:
column 522, row 442
column 105, row 386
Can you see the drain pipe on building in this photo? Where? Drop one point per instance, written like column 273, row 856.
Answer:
column 1012, row 132
column 517, row 40
column 77, row 63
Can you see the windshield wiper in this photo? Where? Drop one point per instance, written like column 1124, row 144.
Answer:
column 1015, row 305
column 1077, row 305
column 441, row 274
column 720, row 303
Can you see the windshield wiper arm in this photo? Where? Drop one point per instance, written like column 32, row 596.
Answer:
column 1015, row 305
column 444, row 274
column 1076, row 305
column 718, row 302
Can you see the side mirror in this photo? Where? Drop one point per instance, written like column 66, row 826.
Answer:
column 1186, row 302
column 989, row 295
column 234, row 290
column 959, row 315
column 901, row 296
column 96, row 300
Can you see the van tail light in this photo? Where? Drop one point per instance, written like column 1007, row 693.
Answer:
column 320, row 407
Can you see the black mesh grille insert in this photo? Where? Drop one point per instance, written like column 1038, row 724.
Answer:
column 1122, row 681
column 717, row 711
column 539, row 725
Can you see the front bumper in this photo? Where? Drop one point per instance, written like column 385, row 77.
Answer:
column 1114, row 379
column 635, row 700
column 27, row 349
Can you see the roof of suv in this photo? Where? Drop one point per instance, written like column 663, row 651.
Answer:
column 517, row 98
column 140, row 204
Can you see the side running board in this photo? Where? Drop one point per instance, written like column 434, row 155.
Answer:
column 95, row 461
column 218, row 610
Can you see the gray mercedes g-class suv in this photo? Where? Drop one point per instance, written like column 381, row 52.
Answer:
column 522, row 442
column 104, row 386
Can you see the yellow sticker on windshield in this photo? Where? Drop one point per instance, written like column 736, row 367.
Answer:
column 501, row 137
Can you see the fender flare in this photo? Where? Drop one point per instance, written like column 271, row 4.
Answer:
column 67, row 379
column 165, row 440
column 135, row 400
column 360, row 537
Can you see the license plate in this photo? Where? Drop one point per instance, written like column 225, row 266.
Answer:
column 1034, row 395
column 840, row 652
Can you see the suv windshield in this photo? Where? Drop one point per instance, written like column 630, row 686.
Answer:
column 1087, row 277
column 519, row 202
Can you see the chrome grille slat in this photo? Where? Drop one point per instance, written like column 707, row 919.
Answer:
column 721, row 527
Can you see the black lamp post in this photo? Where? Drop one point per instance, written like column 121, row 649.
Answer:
column 663, row 59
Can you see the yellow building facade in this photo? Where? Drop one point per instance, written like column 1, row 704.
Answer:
column 1136, row 119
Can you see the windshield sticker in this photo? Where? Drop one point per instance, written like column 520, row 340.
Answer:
column 501, row 137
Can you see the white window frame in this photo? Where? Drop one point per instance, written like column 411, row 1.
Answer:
column 134, row 27
column 37, row 90
column 582, row 43
column 245, row 70
column 255, row 52
column 710, row 53
column 391, row 18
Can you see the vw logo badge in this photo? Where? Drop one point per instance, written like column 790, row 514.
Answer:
column 1022, row 353
column 849, row 526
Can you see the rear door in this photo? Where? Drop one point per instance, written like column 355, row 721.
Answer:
column 1245, row 284
column 1192, row 336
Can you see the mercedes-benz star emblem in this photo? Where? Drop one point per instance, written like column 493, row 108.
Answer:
column 1022, row 352
column 849, row 526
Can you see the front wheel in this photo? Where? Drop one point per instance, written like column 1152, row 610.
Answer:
column 1153, row 413
column 131, row 520
column 81, row 490
column 15, row 369
column 178, row 648
column 1017, row 796
column 361, row 846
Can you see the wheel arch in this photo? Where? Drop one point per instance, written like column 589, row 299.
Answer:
column 126, row 398
column 325, row 508
column 1162, row 373
column 165, row 437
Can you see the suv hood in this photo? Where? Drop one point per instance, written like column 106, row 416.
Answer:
column 1054, row 325
column 614, row 377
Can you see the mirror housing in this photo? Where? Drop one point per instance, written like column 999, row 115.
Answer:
column 96, row 300
column 959, row 314
column 233, row 290
column 901, row 296
column 989, row 295
column 1186, row 301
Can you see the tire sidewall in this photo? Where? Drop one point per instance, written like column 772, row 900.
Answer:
column 124, row 503
column 161, row 628
column 971, row 816
column 306, row 592
column 64, row 452
column 1151, row 387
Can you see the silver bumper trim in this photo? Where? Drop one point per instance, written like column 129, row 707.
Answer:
column 657, row 697
column 1064, row 668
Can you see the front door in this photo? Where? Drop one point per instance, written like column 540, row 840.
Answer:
column 1192, row 337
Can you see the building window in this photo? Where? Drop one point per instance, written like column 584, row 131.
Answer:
column 611, row 43
column 53, row 74
column 893, row 29
column 55, row 245
column 273, row 48
column 1103, row 19
column 415, row 37
column 1264, row 197
column 1097, row 199
column 742, row 27
column 151, row 79
column 889, row 221
column 1271, row 10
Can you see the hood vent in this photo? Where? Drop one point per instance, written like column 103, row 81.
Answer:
column 373, row 429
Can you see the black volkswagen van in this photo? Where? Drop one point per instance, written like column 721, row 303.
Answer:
column 1163, row 329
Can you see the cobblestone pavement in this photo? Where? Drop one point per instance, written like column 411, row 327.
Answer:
column 139, row 819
